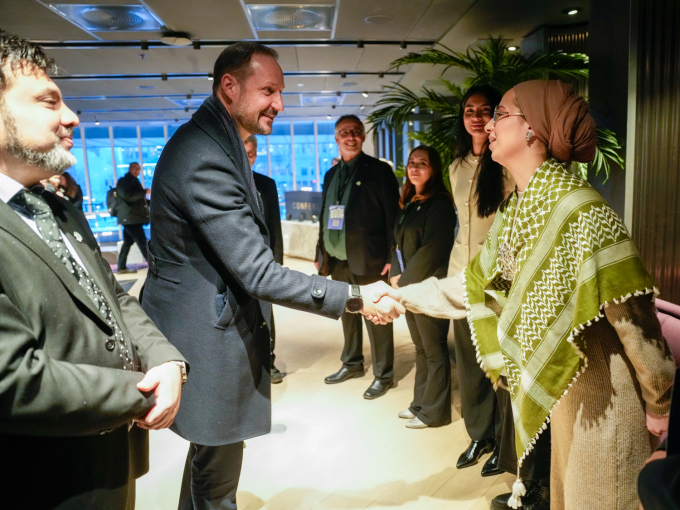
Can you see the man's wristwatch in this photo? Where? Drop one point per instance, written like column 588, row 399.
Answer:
column 355, row 303
column 183, row 367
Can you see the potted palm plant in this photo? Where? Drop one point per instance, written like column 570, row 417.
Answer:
column 490, row 62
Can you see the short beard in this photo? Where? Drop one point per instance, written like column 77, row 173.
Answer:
column 253, row 126
column 55, row 161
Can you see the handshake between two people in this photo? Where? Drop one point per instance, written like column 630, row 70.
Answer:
column 382, row 303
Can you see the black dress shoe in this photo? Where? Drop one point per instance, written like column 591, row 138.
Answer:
column 343, row 374
column 536, row 498
column 471, row 456
column 491, row 465
column 377, row 389
column 277, row 376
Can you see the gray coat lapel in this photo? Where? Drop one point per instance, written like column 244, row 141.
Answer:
column 15, row 226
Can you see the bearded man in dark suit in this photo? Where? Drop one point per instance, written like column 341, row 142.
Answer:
column 212, row 275
column 80, row 362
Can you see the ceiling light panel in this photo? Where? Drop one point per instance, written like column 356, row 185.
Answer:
column 291, row 17
column 319, row 100
column 106, row 18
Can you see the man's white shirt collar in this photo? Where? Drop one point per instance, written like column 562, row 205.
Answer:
column 8, row 187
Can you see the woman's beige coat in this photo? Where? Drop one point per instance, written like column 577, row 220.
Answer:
column 472, row 231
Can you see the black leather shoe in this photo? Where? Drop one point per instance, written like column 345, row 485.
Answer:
column 377, row 389
column 471, row 456
column 491, row 465
column 536, row 498
column 343, row 374
column 277, row 376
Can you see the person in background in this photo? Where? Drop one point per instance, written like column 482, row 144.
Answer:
column 70, row 190
column 560, row 302
column 423, row 236
column 479, row 185
column 133, row 214
column 84, row 373
column 266, row 187
column 359, row 204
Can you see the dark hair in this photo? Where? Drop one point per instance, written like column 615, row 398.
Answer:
column 71, row 188
column 490, row 182
column 17, row 53
column 434, row 185
column 350, row 117
column 235, row 60
column 251, row 139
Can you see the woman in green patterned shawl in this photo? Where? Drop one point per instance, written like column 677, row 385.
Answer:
column 561, row 304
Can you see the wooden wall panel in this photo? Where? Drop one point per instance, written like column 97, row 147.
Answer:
column 656, row 212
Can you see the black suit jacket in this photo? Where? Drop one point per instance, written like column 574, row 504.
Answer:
column 266, row 186
column 424, row 233
column 369, row 217
column 61, row 390
column 212, row 278
column 133, row 208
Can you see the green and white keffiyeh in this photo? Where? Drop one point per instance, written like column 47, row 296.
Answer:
column 572, row 256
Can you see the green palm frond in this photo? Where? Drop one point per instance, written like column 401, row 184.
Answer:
column 399, row 103
column 490, row 63
column 606, row 152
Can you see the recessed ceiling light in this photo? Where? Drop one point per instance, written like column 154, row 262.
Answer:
column 571, row 11
column 379, row 19
column 96, row 122
column 328, row 117
column 146, row 87
column 512, row 48
column 301, row 84
column 365, row 94
column 210, row 77
column 362, row 107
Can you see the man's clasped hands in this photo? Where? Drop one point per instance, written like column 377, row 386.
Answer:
column 382, row 303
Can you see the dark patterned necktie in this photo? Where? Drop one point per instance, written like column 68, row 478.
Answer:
column 47, row 226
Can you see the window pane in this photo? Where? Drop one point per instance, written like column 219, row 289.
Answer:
column 153, row 141
column 99, row 165
column 305, row 165
column 77, row 171
column 282, row 172
column 328, row 148
column 126, row 148
column 261, row 165
column 100, row 168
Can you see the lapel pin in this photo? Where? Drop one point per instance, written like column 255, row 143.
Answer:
column 78, row 237
column 358, row 183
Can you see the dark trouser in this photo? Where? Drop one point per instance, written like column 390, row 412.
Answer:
column 536, row 465
column 477, row 397
column 132, row 234
column 432, row 390
column 382, row 341
column 211, row 476
column 659, row 484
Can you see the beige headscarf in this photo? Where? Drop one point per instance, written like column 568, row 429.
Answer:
column 559, row 118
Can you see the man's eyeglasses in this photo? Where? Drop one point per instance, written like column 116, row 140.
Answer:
column 498, row 114
column 356, row 133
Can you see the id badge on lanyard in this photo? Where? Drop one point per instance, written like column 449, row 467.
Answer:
column 336, row 217
column 400, row 259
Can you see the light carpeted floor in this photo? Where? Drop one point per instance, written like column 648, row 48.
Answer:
column 329, row 448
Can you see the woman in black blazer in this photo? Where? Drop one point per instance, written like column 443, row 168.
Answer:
column 424, row 234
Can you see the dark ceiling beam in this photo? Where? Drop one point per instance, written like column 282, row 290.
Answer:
column 79, row 45
column 190, row 108
column 185, row 76
column 203, row 96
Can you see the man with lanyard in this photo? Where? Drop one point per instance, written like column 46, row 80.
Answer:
column 359, row 206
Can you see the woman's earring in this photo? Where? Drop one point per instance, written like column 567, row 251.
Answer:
column 529, row 135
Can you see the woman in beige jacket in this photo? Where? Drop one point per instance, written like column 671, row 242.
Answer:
column 479, row 185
